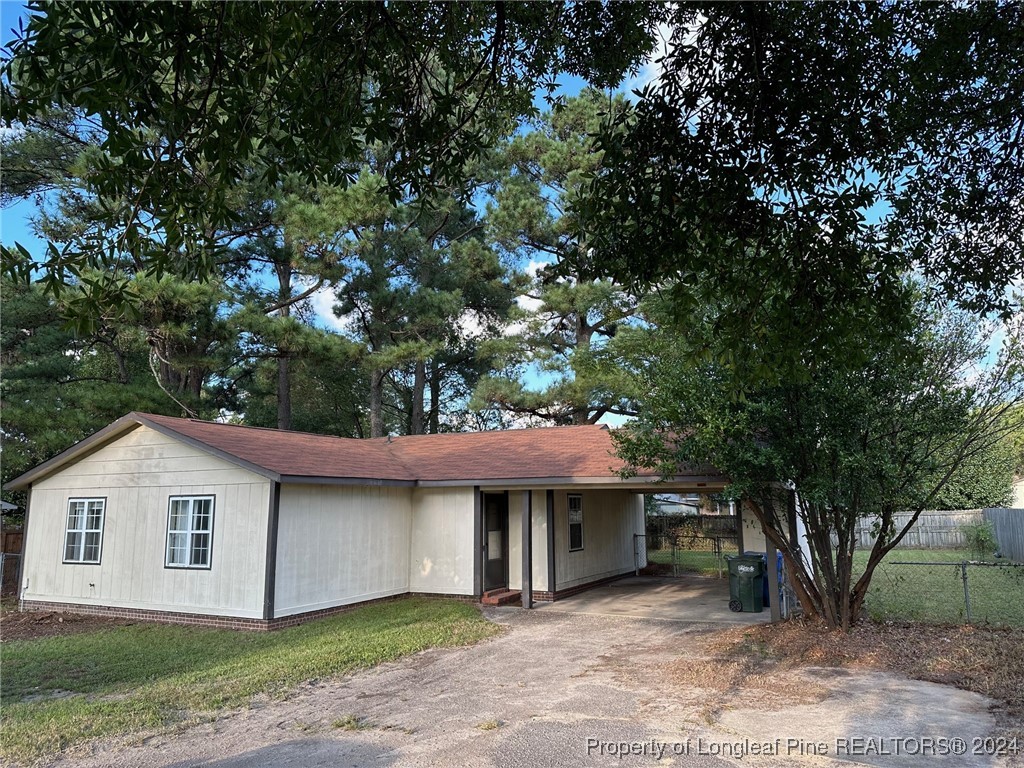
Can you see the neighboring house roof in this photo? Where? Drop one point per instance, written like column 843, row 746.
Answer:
column 566, row 454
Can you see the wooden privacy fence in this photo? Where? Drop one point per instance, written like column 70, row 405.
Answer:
column 1008, row 525
column 10, row 561
column 939, row 529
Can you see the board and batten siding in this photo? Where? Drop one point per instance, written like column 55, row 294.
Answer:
column 340, row 544
column 610, row 520
column 137, row 474
column 441, row 547
column 539, row 538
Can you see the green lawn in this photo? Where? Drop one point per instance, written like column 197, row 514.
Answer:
column 690, row 561
column 705, row 563
column 60, row 691
column 934, row 592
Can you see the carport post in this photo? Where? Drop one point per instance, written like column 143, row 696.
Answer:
column 527, row 579
column 773, row 579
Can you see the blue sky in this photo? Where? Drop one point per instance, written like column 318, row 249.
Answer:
column 14, row 220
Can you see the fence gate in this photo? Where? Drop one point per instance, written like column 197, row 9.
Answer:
column 690, row 544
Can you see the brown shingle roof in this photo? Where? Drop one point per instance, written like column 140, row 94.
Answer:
column 584, row 451
column 571, row 452
column 567, row 453
column 293, row 453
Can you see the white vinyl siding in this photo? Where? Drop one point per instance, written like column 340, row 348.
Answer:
column 441, row 559
column 612, row 519
column 138, row 473
column 340, row 544
column 189, row 531
column 83, row 539
column 539, row 548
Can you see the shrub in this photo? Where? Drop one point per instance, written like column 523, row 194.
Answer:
column 980, row 538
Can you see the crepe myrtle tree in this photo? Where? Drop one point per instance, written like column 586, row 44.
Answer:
column 860, row 438
column 835, row 145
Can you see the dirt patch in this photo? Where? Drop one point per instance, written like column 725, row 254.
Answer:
column 15, row 625
column 989, row 661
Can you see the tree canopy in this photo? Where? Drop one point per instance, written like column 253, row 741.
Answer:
column 187, row 99
column 861, row 437
column 800, row 158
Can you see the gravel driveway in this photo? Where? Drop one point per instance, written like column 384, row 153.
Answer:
column 564, row 689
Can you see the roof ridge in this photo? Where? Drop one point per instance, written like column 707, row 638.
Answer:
column 389, row 439
column 548, row 428
column 249, row 426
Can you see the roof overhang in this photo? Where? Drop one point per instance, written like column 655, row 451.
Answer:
column 317, row 480
column 699, row 481
column 648, row 484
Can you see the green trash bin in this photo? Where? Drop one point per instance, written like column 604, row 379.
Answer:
column 746, row 583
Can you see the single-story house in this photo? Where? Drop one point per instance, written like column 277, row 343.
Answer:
column 219, row 524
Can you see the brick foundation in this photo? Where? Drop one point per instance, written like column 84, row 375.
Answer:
column 264, row 625
column 547, row 597
column 221, row 622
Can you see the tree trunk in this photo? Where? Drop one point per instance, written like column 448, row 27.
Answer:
column 284, row 393
column 584, row 334
column 284, row 381
column 435, row 399
column 376, row 403
column 419, row 385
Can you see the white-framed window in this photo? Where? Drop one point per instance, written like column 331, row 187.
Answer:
column 575, row 522
column 83, row 537
column 189, row 532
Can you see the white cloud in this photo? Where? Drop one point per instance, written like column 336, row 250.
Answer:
column 471, row 326
column 528, row 303
column 652, row 68
column 322, row 303
column 525, row 302
column 536, row 266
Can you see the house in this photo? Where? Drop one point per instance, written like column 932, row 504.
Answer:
column 185, row 520
column 1017, row 501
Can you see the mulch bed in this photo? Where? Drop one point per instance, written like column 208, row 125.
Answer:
column 986, row 660
column 30, row 625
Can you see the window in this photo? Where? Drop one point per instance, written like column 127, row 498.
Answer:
column 84, row 536
column 575, row 522
column 189, row 531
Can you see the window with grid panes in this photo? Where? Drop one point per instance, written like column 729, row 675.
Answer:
column 189, row 532
column 83, row 537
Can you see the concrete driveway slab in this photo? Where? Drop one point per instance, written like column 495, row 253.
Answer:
column 700, row 599
column 555, row 689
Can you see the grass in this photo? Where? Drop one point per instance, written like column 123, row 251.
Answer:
column 934, row 591
column 692, row 561
column 61, row 691
column 351, row 723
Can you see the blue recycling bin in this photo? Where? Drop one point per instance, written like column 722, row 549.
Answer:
column 764, row 559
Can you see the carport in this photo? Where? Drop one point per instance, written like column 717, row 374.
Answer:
column 687, row 598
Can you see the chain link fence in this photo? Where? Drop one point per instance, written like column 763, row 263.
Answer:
column 689, row 544
column 966, row 591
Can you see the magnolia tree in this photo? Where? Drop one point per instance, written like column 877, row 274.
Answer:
column 859, row 438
